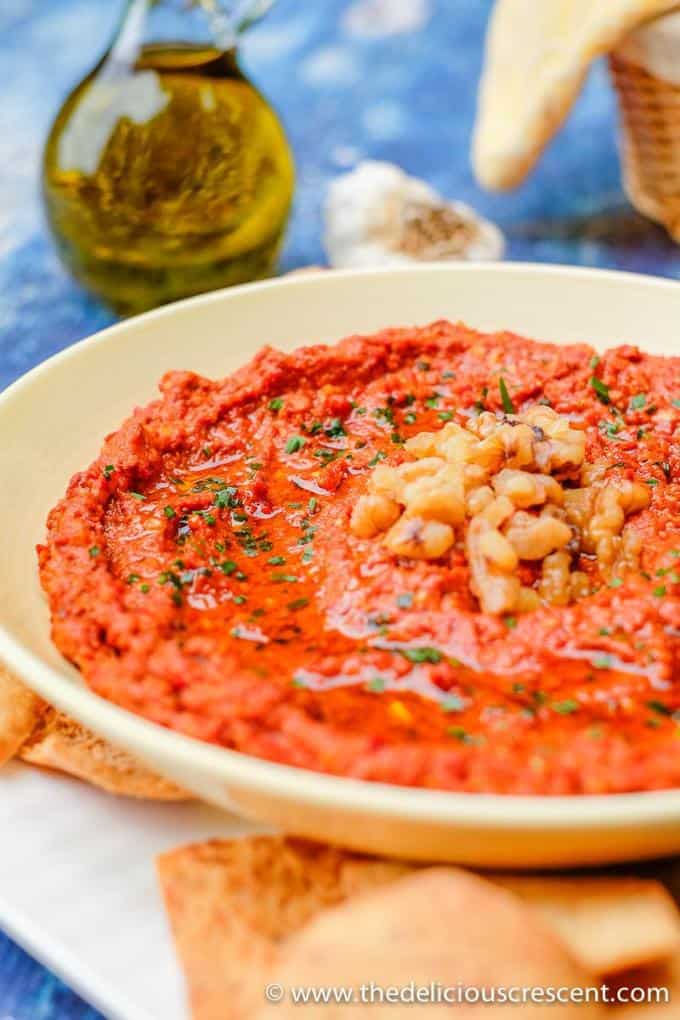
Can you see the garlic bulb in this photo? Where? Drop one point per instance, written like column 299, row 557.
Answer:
column 378, row 215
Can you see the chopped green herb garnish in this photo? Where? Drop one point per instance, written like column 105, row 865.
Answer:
column 638, row 401
column 410, row 418
column 601, row 389
column 652, row 481
column 132, row 578
column 510, row 622
column 275, row 404
column 445, row 415
column 284, row 578
column 137, row 495
column 594, row 361
column 227, row 498
column 298, row 604
column 312, row 505
column 676, row 402
column 169, row 512
column 384, row 414
column 566, row 707
column 658, row 706
column 294, row 444
column 227, row 567
column 660, row 591
column 108, row 470
column 376, row 685
column 240, row 599
column 459, row 733
column 277, row 561
column 326, row 455
column 145, row 589
column 616, row 582
column 432, row 401
column 334, row 428
column 378, row 457
column 506, row 399
column 610, row 428
column 424, row 654
column 94, row 551
column 602, row 662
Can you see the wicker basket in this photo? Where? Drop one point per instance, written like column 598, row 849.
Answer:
column 650, row 141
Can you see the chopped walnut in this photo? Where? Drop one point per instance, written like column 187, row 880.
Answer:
column 506, row 485
column 419, row 539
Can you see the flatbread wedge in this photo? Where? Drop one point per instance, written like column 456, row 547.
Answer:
column 37, row 733
column 610, row 924
column 537, row 57
column 61, row 744
column 234, row 904
column 663, row 1002
column 19, row 709
column 438, row 925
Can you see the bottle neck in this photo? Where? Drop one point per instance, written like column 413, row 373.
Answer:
column 204, row 23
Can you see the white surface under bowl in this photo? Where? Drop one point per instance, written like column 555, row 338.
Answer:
column 52, row 423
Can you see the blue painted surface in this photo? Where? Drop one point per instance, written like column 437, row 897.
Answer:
column 344, row 96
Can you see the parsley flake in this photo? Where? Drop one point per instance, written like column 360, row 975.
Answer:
column 294, row 444
column 601, row 390
column 424, row 654
column 506, row 399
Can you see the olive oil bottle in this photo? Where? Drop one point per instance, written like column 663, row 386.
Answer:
column 166, row 173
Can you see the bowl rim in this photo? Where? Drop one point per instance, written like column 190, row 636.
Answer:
column 236, row 769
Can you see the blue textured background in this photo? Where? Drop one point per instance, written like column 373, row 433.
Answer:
column 405, row 98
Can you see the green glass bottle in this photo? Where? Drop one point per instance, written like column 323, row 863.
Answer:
column 166, row 173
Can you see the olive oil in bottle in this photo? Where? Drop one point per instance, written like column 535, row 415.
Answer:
column 166, row 173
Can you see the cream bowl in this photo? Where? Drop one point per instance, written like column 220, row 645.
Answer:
column 52, row 423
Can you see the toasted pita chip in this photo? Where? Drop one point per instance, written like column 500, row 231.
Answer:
column 59, row 743
column 231, row 905
column 663, row 988
column 37, row 733
column 537, row 57
column 440, row 926
column 608, row 924
column 19, row 713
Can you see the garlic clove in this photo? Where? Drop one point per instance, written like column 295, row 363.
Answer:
column 378, row 215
